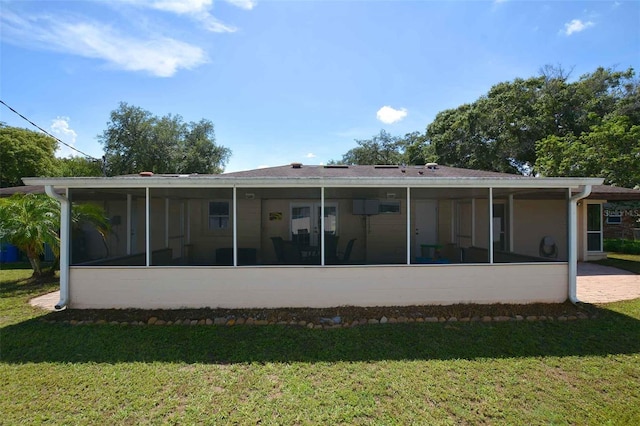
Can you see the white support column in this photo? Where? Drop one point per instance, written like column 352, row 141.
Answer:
column 408, row 225
column 490, row 225
column 322, row 260
column 235, row 226
column 510, row 207
column 188, row 222
column 129, row 198
column 473, row 222
column 166, row 222
column 147, row 231
column 573, row 241
column 452, row 227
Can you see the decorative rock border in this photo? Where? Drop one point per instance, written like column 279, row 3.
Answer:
column 325, row 323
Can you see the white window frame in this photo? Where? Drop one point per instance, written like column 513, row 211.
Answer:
column 210, row 216
column 599, row 232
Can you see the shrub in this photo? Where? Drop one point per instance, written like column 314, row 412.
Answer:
column 622, row 246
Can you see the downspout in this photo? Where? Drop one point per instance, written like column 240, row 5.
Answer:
column 64, row 246
column 573, row 241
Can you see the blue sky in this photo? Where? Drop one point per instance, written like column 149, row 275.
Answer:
column 287, row 81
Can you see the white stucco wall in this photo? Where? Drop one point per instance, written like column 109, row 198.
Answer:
column 270, row 287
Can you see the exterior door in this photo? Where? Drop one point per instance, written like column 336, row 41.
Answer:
column 306, row 222
column 426, row 225
column 594, row 227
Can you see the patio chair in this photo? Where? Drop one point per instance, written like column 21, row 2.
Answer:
column 347, row 252
column 278, row 247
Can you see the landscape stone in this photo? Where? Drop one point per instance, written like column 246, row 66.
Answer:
column 431, row 319
column 152, row 320
column 220, row 321
column 384, row 320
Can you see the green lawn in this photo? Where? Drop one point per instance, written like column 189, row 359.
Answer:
column 629, row 262
column 516, row 373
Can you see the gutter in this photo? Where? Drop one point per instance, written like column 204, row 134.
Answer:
column 573, row 241
column 64, row 246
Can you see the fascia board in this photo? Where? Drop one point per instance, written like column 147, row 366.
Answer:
column 246, row 182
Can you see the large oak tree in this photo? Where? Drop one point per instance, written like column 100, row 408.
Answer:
column 136, row 140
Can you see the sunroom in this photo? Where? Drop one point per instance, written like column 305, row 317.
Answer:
column 323, row 236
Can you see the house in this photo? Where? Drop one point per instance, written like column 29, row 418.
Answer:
column 323, row 236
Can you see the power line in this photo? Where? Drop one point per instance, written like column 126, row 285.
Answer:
column 47, row 133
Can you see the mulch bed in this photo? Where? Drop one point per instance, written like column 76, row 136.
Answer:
column 343, row 314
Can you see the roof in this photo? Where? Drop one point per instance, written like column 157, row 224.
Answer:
column 25, row 189
column 298, row 175
column 362, row 171
column 614, row 193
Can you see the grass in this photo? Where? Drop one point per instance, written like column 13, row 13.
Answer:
column 628, row 262
column 579, row 372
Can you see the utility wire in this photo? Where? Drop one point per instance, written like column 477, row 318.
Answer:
column 47, row 133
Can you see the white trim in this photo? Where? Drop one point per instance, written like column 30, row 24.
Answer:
column 220, row 181
column 510, row 225
column 408, row 207
column 166, row 222
column 491, row 226
column 129, row 227
column 321, row 230
column 234, row 215
column 473, row 222
column 600, row 232
column 147, row 225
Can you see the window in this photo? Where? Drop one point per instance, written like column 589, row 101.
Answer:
column 614, row 220
column 594, row 227
column 218, row 215
column 389, row 207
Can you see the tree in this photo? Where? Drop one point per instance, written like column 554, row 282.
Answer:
column 502, row 130
column 384, row 148
column 25, row 153
column 610, row 149
column 29, row 221
column 135, row 141
column 79, row 166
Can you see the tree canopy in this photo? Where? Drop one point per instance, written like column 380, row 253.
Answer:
column 384, row 148
column 135, row 140
column 549, row 126
column 25, row 153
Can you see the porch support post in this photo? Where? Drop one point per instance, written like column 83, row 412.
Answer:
column 322, row 259
column 129, row 223
column 65, row 243
column 166, row 222
column 408, row 225
column 147, row 230
column 235, row 227
column 573, row 241
column 490, row 225
column 454, row 207
column 510, row 207
column 188, row 221
column 473, row 222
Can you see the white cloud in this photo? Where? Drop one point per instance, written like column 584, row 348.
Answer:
column 576, row 26
column 243, row 4
column 61, row 129
column 199, row 10
column 310, row 155
column 389, row 115
column 159, row 56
